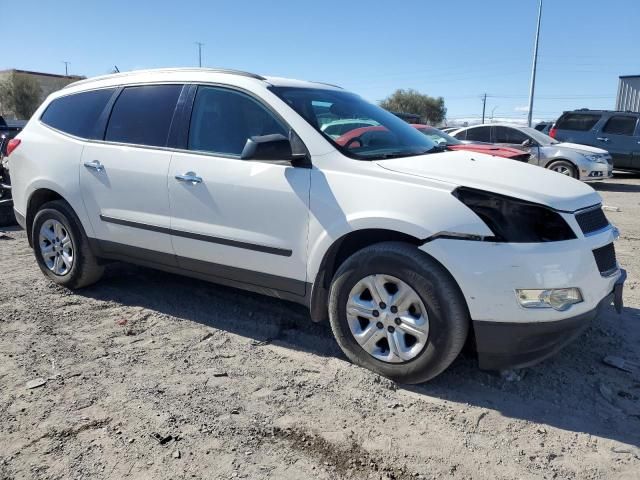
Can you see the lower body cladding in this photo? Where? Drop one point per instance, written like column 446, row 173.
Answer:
column 507, row 334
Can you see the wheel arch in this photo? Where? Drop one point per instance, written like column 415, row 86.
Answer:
column 338, row 252
column 561, row 159
column 38, row 198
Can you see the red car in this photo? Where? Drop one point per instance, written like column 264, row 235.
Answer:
column 355, row 137
column 440, row 138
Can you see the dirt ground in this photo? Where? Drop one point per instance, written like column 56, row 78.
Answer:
column 151, row 375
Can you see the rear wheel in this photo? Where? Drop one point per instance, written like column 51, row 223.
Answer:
column 398, row 312
column 61, row 247
column 564, row 167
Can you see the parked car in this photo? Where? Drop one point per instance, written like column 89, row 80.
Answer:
column 336, row 128
column 577, row 161
column 544, row 127
column 227, row 176
column 8, row 130
column 451, row 143
column 617, row 132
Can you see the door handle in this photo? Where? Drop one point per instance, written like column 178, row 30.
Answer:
column 602, row 139
column 190, row 177
column 95, row 165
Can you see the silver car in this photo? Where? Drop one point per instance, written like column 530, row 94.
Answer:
column 578, row 161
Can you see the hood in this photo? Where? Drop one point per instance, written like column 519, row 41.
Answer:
column 580, row 148
column 499, row 175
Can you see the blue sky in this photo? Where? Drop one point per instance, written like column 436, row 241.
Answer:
column 455, row 49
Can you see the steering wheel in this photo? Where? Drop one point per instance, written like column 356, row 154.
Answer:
column 353, row 140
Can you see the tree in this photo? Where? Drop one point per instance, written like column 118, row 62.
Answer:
column 430, row 109
column 20, row 94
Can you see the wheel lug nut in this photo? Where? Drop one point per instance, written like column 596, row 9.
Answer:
column 397, row 321
column 391, row 329
column 376, row 313
column 394, row 309
column 383, row 305
column 379, row 325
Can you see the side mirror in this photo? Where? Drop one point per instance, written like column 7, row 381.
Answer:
column 527, row 143
column 276, row 148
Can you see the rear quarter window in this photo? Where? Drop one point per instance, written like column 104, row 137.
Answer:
column 577, row 121
column 77, row 114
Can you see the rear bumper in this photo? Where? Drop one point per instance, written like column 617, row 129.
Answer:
column 503, row 345
column 20, row 219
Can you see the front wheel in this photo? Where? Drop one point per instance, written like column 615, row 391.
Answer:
column 396, row 311
column 565, row 168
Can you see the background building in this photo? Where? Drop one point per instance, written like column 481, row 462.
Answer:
column 48, row 82
column 629, row 93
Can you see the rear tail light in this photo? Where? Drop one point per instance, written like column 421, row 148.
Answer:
column 12, row 145
column 553, row 131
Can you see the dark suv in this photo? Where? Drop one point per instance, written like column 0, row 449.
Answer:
column 617, row 132
column 8, row 130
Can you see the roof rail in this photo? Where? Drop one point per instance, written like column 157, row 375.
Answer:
column 167, row 70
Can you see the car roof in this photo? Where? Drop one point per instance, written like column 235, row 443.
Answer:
column 188, row 74
column 587, row 110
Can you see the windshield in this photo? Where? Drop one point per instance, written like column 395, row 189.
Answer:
column 356, row 127
column 539, row 137
column 437, row 136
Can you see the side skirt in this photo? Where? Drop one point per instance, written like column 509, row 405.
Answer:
column 274, row 286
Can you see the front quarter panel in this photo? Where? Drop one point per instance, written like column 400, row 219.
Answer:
column 349, row 195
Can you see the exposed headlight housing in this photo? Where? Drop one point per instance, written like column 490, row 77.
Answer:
column 595, row 157
column 557, row 298
column 513, row 220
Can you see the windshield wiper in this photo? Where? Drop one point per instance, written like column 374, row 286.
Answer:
column 386, row 156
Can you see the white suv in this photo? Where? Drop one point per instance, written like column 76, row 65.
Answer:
column 229, row 177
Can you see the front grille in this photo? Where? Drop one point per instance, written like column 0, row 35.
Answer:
column 606, row 259
column 592, row 220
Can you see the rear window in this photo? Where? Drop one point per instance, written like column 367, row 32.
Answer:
column 77, row 114
column 142, row 115
column 620, row 125
column 577, row 121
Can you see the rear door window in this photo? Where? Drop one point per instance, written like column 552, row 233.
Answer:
column 577, row 121
column 222, row 120
column 142, row 115
column 620, row 125
column 508, row 135
column 77, row 114
column 478, row 134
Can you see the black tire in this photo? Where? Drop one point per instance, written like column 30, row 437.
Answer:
column 85, row 269
column 559, row 164
column 446, row 308
column 7, row 218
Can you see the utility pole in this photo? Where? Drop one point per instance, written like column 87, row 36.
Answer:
column 535, row 64
column 199, row 44
column 66, row 68
column 492, row 110
column 484, row 105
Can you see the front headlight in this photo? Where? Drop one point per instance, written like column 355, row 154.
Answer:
column 557, row 298
column 513, row 220
column 595, row 158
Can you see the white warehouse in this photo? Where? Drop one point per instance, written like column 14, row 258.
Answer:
column 628, row 93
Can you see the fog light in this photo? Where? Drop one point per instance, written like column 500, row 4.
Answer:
column 557, row 298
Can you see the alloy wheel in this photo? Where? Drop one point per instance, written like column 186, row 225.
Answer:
column 387, row 318
column 56, row 247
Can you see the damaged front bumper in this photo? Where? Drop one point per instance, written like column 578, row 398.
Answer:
column 503, row 345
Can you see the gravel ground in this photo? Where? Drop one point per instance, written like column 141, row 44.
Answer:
column 151, row 375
